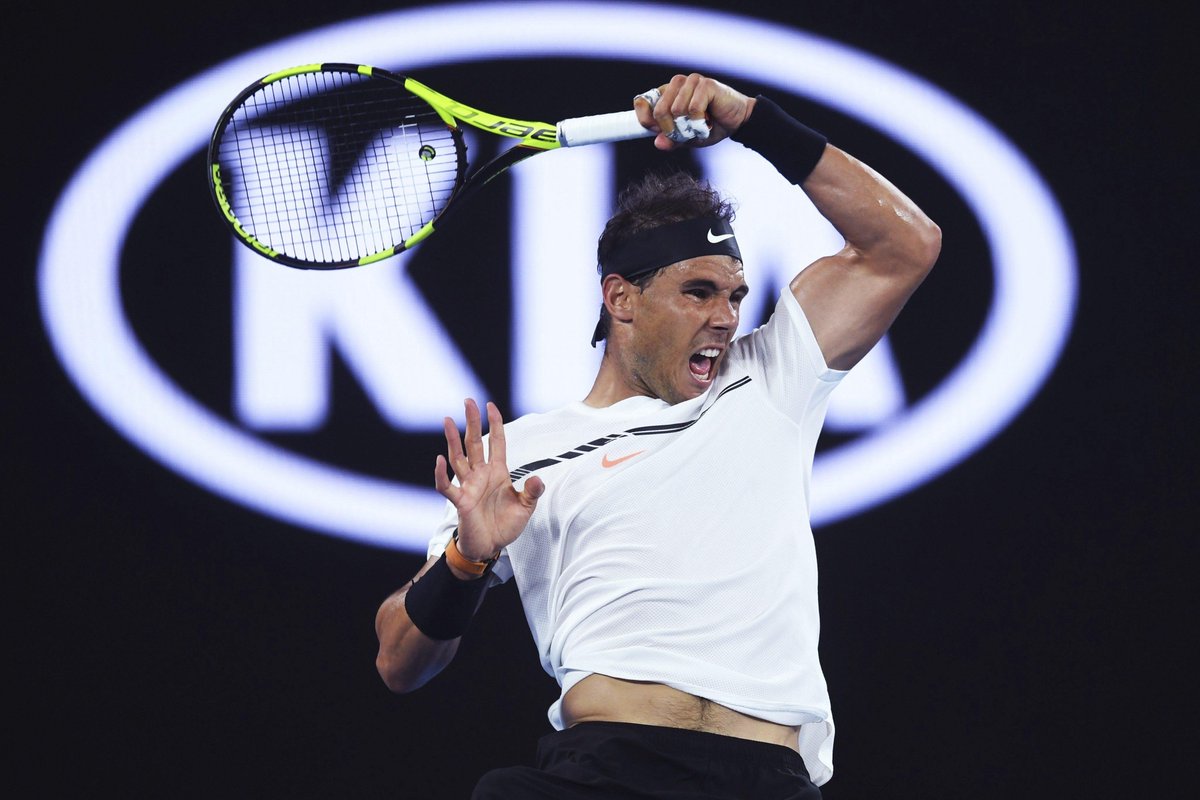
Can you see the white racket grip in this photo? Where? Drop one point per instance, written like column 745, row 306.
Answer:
column 615, row 127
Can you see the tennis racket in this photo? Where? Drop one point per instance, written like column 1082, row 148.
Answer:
column 329, row 166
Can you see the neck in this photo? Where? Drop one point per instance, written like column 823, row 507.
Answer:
column 611, row 384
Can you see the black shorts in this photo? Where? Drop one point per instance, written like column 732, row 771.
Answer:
column 616, row 760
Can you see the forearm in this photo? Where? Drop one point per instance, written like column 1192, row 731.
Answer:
column 878, row 222
column 408, row 657
column 419, row 626
column 851, row 297
column 884, row 230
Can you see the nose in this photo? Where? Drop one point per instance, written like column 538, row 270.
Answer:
column 724, row 315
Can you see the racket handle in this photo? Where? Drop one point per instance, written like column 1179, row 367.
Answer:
column 615, row 127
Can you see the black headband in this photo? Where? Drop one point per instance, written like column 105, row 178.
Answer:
column 677, row 241
column 668, row 244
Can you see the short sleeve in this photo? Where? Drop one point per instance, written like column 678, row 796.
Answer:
column 783, row 354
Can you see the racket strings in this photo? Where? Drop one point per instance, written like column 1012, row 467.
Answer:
column 332, row 167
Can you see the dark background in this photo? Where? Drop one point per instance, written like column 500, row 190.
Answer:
column 1017, row 627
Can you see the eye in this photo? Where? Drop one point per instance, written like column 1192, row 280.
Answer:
column 697, row 292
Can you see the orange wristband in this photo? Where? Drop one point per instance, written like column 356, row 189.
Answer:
column 460, row 562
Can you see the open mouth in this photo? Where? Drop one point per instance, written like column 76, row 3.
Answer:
column 703, row 364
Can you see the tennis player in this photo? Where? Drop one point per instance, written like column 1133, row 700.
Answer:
column 658, row 529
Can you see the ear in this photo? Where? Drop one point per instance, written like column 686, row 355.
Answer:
column 619, row 297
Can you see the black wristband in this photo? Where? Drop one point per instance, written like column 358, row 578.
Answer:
column 441, row 605
column 792, row 148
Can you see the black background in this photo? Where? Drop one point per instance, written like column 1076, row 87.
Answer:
column 1017, row 627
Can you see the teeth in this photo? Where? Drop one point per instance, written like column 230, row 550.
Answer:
column 711, row 352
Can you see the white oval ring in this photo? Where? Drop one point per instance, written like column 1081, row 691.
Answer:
column 1031, row 251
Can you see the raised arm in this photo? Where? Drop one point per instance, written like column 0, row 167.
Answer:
column 852, row 297
column 419, row 627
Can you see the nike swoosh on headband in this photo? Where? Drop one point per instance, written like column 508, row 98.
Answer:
column 712, row 237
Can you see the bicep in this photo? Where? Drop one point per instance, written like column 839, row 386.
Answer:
column 850, row 303
column 852, row 297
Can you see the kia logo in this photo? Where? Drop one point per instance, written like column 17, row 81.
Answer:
column 285, row 321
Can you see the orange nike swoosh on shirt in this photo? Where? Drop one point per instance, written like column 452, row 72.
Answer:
column 607, row 462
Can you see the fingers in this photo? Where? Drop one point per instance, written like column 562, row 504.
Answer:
column 454, row 449
column 496, row 444
column 654, row 113
column 454, row 459
column 474, row 437
column 441, row 481
column 467, row 452
column 535, row 487
column 695, row 98
column 482, row 490
column 693, row 95
column 684, row 101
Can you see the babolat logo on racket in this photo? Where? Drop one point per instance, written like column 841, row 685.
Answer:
column 535, row 131
column 317, row 397
column 540, row 135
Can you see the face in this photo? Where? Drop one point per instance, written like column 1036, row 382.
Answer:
column 681, row 325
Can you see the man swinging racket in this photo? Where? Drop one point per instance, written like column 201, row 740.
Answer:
column 659, row 528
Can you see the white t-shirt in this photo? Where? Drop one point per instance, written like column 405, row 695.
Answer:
column 673, row 544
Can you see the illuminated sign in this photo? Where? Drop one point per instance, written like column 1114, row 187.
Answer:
column 281, row 350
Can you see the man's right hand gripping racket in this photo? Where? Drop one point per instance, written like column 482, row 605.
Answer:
column 328, row 166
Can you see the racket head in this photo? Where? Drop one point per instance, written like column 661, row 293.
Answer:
column 329, row 166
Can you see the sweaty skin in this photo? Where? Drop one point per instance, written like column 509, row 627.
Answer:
column 666, row 329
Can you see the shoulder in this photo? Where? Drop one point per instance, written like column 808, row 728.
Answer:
column 786, row 328
column 536, row 420
column 535, row 427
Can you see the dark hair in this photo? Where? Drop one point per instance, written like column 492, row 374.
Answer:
column 657, row 199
